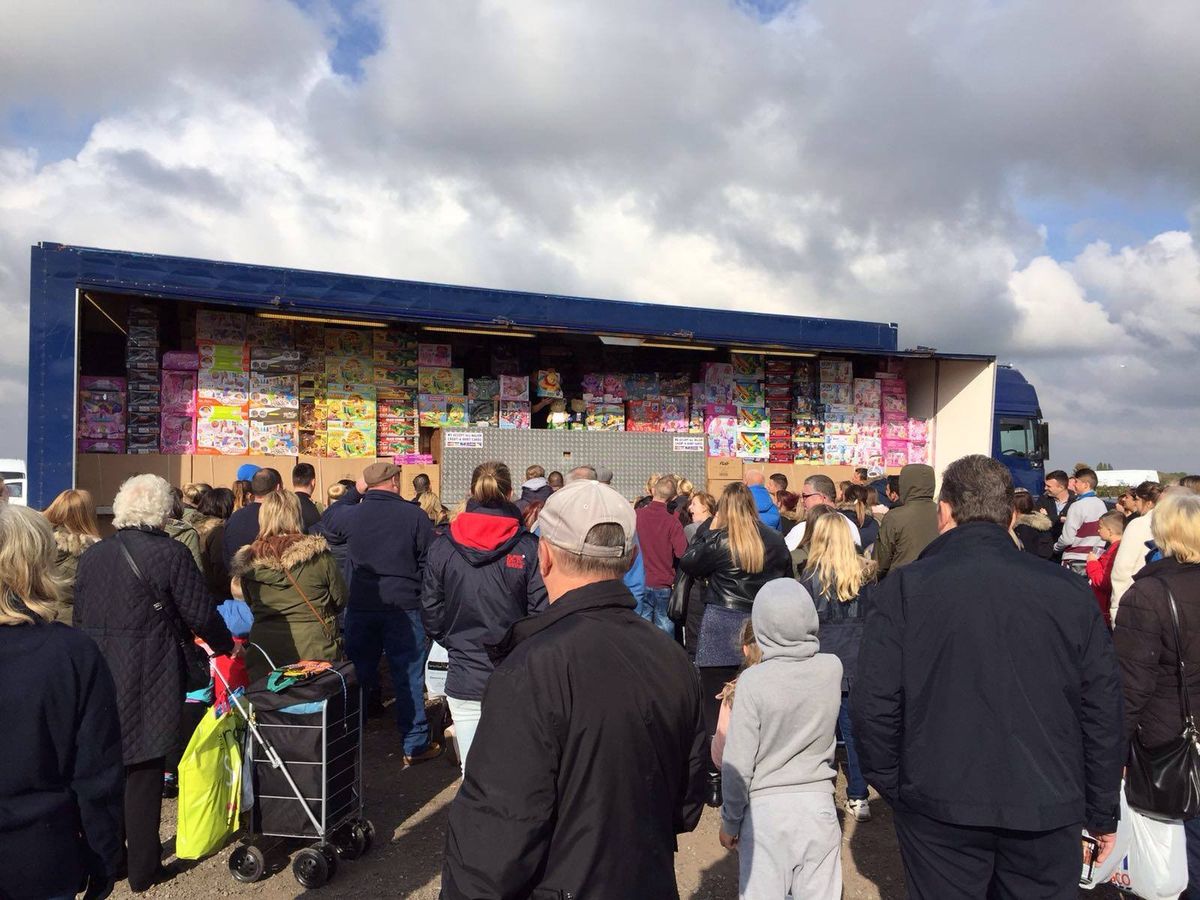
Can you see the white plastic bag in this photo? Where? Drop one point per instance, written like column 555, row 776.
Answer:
column 1155, row 866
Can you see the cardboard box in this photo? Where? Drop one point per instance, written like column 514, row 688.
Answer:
column 717, row 485
column 103, row 473
column 724, row 468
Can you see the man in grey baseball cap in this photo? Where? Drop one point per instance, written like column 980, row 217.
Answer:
column 589, row 757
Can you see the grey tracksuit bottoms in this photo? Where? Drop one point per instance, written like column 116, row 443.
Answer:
column 790, row 846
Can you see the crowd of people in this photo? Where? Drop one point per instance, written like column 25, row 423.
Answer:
column 987, row 659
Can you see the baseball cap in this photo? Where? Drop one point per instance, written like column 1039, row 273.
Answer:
column 379, row 472
column 604, row 475
column 573, row 511
column 246, row 471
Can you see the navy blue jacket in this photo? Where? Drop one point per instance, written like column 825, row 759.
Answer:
column 480, row 578
column 987, row 692
column 388, row 538
column 62, row 782
column 240, row 530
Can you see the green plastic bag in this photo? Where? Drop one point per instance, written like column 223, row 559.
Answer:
column 210, row 786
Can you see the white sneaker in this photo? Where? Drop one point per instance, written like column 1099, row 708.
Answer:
column 860, row 809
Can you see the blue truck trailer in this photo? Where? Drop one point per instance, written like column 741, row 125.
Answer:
column 78, row 296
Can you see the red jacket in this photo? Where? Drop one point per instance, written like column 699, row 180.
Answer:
column 1099, row 572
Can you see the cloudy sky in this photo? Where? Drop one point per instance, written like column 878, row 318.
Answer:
column 1001, row 176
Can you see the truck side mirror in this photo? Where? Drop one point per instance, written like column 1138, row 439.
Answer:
column 1043, row 440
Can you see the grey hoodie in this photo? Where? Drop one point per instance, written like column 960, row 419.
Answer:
column 785, row 709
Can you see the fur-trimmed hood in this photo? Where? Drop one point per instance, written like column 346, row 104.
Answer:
column 1037, row 520
column 300, row 549
column 72, row 544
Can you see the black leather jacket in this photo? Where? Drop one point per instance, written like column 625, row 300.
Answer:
column 709, row 557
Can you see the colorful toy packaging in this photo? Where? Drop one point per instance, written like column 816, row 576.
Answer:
column 434, row 356
column 549, row 384
column 440, row 381
column 515, row 414
column 349, row 342
column 514, row 388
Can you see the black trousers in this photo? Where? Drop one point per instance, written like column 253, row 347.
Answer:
column 947, row 862
column 712, row 680
column 143, row 812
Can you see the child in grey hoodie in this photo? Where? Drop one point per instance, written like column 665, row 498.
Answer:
column 778, row 769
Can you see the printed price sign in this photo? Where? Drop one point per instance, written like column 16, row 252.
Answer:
column 463, row 440
column 689, row 443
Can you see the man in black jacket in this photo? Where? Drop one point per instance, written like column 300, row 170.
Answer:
column 304, row 480
column 987, row 707
column 589, row 756
column 1055, row 502
column 242, row 527
column 387, row 538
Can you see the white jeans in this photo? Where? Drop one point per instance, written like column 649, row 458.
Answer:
column 790, row 846
column 466, row 715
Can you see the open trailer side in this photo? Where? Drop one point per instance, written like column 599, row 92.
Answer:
column 78, row 297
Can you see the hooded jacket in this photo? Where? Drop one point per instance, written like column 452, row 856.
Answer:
column 66, row 564
column 284, row 624
column 987, row 692
column 709, row 556
column 186, row 535
column 211, row 531
column 765, row 504
column 480, row 578
column 588, row 760
column 781, row 735
column 534, row 490
column 910, row 527
column 1035, row 532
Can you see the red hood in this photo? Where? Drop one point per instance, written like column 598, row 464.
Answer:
column 483, row 530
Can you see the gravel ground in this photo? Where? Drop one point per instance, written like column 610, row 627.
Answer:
column 408, row 808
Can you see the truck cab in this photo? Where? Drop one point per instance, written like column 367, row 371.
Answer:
column 1021, row 439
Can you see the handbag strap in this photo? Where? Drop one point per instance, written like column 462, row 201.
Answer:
column 303, row 596
column 159, row 601
column 1183, row 685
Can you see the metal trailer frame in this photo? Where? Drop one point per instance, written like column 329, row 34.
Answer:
column 253, row 858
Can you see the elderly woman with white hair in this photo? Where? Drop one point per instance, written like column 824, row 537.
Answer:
column 139, row 594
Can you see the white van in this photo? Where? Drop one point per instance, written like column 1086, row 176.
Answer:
column 12, row 474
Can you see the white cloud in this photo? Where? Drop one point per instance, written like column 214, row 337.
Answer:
column 849, row 159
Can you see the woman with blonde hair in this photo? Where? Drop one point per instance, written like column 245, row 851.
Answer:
column 60, row 788
column 192, row 495
column 1144, row 638
column 73, row 517
column 836, row 577
column 480, row 577
column 431, row 503
column 738, row 554
column 140, row 595
column 294, row 587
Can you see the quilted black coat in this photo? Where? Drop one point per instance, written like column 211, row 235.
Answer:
column 117, row 612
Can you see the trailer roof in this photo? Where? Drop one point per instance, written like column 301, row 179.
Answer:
column 326, row 293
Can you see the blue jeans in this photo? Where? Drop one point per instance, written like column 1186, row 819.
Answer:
column 653, row 608
column 398, row 633
column 856, row 785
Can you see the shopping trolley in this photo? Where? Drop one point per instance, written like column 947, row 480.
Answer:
column 304, row 761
